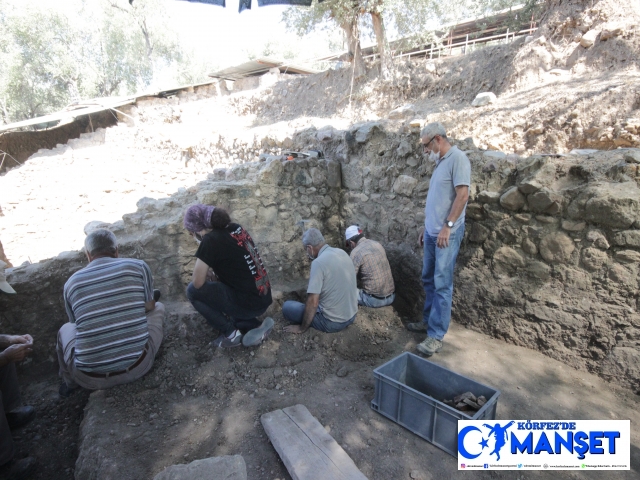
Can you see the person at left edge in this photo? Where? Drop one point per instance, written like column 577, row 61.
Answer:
column 230, row 286
column 13, row 414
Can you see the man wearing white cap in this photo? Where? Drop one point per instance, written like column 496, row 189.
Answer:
column 14, row 349
column 372, row 269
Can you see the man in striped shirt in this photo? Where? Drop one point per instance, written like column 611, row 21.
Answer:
column 115, row 325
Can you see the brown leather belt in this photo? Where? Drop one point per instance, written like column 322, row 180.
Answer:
column 380, row 298
column 127, row 370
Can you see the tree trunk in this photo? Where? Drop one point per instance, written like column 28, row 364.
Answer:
column 378, row 29
column 353, row 41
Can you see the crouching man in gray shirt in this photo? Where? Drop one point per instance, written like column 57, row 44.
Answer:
column 332, row 294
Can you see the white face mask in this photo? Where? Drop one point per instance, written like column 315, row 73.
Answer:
column 433, row 156
column 309, row 255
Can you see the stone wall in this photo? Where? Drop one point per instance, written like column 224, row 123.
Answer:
column 273, row 201
column 551, row 253
column 550, row 258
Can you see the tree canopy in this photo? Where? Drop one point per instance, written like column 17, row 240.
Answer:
column 405, row 18
column 93, row 48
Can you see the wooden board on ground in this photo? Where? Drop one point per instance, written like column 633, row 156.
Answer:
column 307, row 450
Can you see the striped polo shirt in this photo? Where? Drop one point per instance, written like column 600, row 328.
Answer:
column 106, row 302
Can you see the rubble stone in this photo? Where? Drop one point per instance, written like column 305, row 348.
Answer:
column 593, row 259
column 572, row 226
column 529, row 186
column 484, row 98
column 556, row 248
column 512, row 199
column 589, row 38
column 404, row 185
column 402, row 112
column 488, row 197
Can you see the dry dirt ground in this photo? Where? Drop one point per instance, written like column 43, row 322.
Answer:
column 199, row 402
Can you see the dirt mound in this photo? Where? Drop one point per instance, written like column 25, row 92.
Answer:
column 554, row 93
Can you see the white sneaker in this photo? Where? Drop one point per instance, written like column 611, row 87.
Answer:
column 258, row 335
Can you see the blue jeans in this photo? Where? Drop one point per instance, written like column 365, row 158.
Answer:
column 370, row 301
column 437, row 279
column 224, row 308
column 294, row 312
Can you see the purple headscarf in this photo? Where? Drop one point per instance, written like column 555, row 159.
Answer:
column 198, row 217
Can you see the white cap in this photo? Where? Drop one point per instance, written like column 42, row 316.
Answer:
column 352, row 231
column 4, row 285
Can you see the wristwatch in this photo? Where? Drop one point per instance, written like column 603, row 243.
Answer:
column 449, row 224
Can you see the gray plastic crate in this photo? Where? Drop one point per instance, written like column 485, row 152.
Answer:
column 407, row 389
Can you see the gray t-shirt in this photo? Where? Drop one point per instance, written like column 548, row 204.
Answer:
column 452, row 170
column 333, row 277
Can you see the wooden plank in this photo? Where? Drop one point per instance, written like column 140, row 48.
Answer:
column 305, row 447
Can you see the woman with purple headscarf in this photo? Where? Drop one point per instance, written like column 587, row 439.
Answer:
column 230, row 286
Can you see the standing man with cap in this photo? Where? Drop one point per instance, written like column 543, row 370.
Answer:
column 13, row 414
column 372, row 269
column 442, row 234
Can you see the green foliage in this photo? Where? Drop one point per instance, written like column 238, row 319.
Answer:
column 52, row 56
column 404, row 18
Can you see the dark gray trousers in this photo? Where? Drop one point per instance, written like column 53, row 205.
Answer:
column 9, row 399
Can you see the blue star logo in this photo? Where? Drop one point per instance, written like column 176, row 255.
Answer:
column 484, row 443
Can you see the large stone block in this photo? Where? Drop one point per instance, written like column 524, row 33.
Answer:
column 352, row 176
column 484, row 98
column 589, row 38
column 404, row 149
column 539, row 270
column 593, row 259
column 543, row 200
column 556, row 248
column 404, row 185
column 529, row 186
column 230, row 467
column 271, row 173
column 507, row 260
column 614, row 205
column 512, row 199
column 622, row 275
column 628, row 256
column 488, row 197
column 627, row 238
column 364, row 132
column 478, row 233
